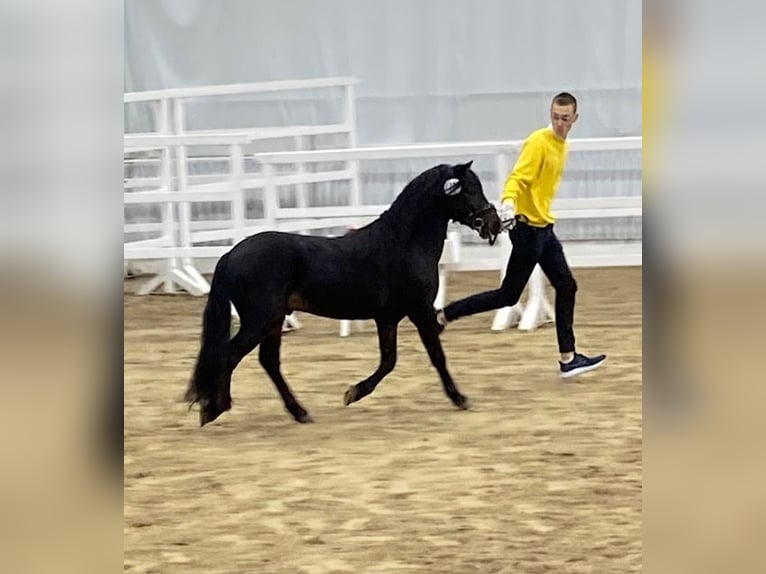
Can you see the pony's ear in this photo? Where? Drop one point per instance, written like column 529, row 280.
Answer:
column 453, row 185
column 461, row 169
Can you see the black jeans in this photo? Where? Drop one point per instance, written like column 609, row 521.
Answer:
column 531, row 246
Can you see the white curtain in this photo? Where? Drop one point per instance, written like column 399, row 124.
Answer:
column 430, row 70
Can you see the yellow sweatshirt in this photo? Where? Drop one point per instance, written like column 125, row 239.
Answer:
column 536, row 176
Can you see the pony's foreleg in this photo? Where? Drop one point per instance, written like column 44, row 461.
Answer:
column 428, row 329
column 268, row 354
column 387, row 341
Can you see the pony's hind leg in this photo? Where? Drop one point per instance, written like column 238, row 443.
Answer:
column 268, row 355
column 247, row 338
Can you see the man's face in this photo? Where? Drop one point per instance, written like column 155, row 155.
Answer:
column 562, row 118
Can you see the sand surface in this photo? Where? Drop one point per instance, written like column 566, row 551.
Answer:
column 540, row 475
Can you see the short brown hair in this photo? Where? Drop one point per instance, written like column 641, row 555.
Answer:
column 565, row 99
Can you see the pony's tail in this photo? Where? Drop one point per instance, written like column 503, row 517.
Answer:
column 209, row 383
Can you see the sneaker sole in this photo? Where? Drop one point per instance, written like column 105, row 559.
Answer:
column 581, row 370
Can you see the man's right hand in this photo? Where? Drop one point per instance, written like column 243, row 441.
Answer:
column 506, row 212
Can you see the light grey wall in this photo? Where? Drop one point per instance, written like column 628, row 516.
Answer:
column 430, row 70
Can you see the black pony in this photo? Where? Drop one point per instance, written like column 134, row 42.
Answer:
column 384, row 271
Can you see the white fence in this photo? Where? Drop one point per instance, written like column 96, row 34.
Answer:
column 182, row 240
column 161, row 175
column 169, row 111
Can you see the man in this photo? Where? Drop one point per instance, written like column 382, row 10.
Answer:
column 527, row 198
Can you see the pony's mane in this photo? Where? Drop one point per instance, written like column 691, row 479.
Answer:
column 415, row 192
column 408, row 205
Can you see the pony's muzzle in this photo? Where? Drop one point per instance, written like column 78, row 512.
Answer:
column 488, row 225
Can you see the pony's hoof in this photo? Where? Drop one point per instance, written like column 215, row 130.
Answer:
column 304, row 418
column 208, row 416
column 349, row 396
column 461, row 402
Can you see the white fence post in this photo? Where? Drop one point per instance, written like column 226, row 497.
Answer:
column 166, row 183
column 198, row 283
column 507, row 316
column 353, row 165
column 538, row 310
column 270, row 195
column 300, row 188
column 238, row 199
column 450, row 257
column 168, row 219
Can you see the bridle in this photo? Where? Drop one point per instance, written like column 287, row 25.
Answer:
column 477, row 221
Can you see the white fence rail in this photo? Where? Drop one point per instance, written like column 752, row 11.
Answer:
column 170, row 106
column 230, row 188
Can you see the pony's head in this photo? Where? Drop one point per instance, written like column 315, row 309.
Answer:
column 466, row 203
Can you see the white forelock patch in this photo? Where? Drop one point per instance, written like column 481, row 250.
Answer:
column 452, row 186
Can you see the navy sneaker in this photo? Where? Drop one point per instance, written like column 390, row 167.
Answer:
column 580, row 364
